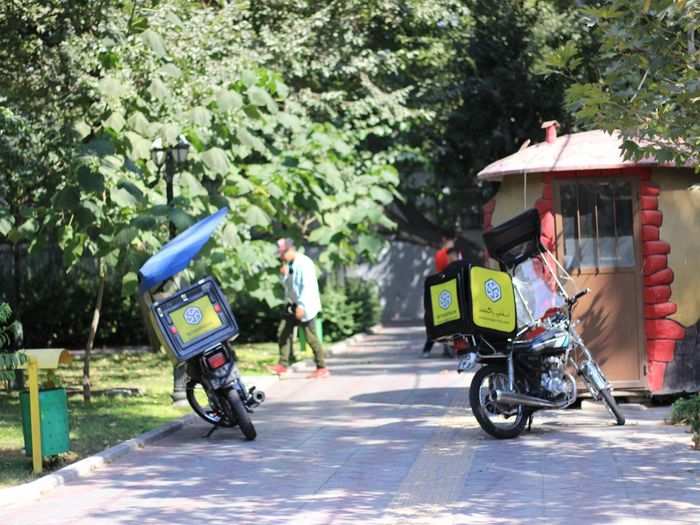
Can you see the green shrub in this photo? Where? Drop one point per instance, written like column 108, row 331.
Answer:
column 349, row 309
column 687, row 411
column 338, row 314
column 10, row 340
column 365, row 296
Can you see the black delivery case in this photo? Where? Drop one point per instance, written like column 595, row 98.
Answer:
column 469, row 300
column 194, row 319
column 515, row 240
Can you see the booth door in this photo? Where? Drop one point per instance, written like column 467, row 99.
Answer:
column 597, row 242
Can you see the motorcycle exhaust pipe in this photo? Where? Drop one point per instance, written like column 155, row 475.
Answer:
column 258, row 396
column 514, row 398
column 255, row 398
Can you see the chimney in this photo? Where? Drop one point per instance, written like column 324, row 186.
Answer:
column 550, row 131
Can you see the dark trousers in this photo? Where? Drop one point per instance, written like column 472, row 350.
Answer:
column 285, row 338
column 428, row 345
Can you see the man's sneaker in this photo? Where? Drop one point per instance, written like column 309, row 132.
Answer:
column 425, row 355
column 278, row 369
column 319, row 373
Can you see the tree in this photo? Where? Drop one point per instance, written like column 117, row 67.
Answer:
column 256, row 148
column 10, row 342
column 648, row 87
column 439, row 88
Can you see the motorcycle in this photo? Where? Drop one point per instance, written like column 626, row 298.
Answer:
column 196, row 325
column 522, row 376
column 537, row 368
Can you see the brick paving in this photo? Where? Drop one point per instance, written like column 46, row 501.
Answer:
column 388, row 439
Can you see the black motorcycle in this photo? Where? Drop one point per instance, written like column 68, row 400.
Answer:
column 196, row 325
column 520, row 376
column 528, row 363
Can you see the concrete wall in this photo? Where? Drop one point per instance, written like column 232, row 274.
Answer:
column 400, row 273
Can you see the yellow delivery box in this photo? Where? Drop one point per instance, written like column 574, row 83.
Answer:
column 469, row 300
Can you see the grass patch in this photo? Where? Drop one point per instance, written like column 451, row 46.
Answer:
column 109, row 420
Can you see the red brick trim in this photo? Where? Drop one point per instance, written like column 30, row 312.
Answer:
column 661, row 332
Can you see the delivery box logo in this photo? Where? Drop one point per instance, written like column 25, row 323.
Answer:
column 493, row 300
column 443, row 297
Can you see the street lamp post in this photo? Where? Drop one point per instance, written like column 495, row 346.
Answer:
column 171, row 158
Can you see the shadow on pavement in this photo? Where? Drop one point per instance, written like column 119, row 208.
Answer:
column 340, row 450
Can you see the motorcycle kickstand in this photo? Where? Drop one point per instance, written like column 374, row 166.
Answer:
column 211, row 431
column 529, row 423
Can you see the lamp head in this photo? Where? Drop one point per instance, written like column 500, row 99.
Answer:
column 158, row 153
column 181, row 149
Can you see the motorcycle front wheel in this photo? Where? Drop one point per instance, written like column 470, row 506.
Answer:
column 240, row 414
column 612, row 406
column 598, row 384
column 500, row 420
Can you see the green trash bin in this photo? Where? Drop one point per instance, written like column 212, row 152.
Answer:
column 55, row 429
column 319, row 333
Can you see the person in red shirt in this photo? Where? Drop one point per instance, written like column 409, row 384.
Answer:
column 443, row 257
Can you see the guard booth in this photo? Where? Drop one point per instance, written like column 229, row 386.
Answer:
column 627, row 229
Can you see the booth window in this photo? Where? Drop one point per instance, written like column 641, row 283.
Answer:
column 598, row 225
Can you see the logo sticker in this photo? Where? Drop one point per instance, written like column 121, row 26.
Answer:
column 493, row 290
column 193, row 315
column 493, row 300
column 445, row 299
column 444, row 302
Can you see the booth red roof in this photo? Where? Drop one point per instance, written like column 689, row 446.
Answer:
column 588, row 150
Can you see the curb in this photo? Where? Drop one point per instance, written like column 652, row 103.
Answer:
column 33, row 490
column 85, row 467
column 337, row 349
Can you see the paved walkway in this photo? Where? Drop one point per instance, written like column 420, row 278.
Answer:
column 388, row 440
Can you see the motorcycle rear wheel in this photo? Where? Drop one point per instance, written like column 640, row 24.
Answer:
column 240, row 414
column 484, row 406
column 194, row 397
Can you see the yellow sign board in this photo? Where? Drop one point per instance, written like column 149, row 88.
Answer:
column 493, row 299
column 445, row 303
column 47, row 358
column 195, row 319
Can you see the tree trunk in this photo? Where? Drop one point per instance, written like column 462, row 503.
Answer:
column 87, row 393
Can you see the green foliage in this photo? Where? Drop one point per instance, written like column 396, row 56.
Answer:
column 687, row 411
column 648, row 81
column 338, row 314
column 10, row 335
column 349, row 309
column 364, row 294
column 76, row 171
column 330, row 122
